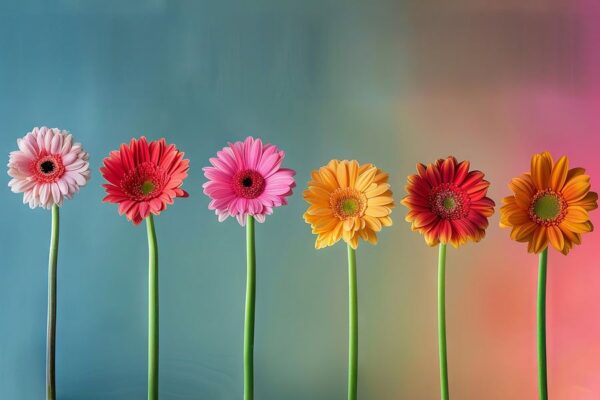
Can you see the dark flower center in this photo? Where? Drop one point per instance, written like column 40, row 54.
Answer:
column 48, row 168
column 248, row 184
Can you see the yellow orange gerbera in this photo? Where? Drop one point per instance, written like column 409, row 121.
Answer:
column 550, row 205
column 348, row 201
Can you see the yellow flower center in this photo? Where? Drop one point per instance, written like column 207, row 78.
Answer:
column 347, row 202
column 547, row 208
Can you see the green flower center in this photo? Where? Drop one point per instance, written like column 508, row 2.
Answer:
column 547, row 208
column 449, row 203
column 350, row 206
column 148, row 187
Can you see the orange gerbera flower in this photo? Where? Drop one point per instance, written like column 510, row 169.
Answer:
column 550, row 205
column 348, row 201
column 447, row 202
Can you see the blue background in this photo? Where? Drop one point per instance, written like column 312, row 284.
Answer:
column 299, row 75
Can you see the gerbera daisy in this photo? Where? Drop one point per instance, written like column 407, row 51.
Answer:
column 550, row 205
column 144, row 177
column 246, row 179
column 447, row 203
column 348, row 201
column 48, row 167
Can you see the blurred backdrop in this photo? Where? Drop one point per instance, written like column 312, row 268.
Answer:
column 390, row 82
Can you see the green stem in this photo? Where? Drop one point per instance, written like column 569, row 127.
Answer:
column 541, row 326
column 51, row 327
column 352, row 326
column 250, row 307
column 445, row 393
column 152, row 310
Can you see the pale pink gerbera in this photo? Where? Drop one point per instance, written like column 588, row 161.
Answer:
column 144, row 177
column 246, row 179
column 48, row 167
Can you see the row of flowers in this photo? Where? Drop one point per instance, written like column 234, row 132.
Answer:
column 447, row 203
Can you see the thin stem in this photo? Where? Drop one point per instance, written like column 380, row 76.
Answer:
column 152, row 310
column 51, row 327
column 352, row 326
column 250, row 307
column 541, row 326
column 445, row 393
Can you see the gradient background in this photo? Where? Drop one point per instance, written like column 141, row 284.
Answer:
column 390, row 82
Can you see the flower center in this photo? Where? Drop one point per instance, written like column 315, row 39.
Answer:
column 148, row 187
column 144, row 182
column 547, row 208
column 449, row 202
column 347, row 203
column 248, row 184
column 48, row 168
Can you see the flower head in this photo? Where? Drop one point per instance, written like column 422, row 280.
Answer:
column 245, row 179
column 348, row 201
column 550, row 205
column 447, row 202
column 144, row 177
column 48, row 167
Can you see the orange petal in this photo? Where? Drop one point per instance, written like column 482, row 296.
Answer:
column 555, row 237
column 559, row 173
column 577, row 214
column 576, row 227
column 541, row 168
column 523, row 233
column 576, row 188
column 540, row 239
column 589, row 201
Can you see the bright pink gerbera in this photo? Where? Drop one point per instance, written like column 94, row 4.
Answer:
column 48, row 167
column 143, row 178
column 247, row 179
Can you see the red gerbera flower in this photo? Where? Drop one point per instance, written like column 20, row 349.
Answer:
column 144, row 177
column 448, row 203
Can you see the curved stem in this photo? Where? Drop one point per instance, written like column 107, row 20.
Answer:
column 51, row 326
column 152, row 310
column 250, row 307
column 445, row 393
column 541, row 326
column 352, row 326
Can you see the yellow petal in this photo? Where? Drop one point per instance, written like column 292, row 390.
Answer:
column 377, row 211
column 352, row 172
column 365, row 179
column 342, row 174
column 380, row 201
